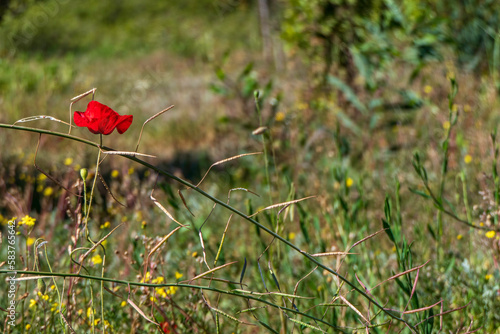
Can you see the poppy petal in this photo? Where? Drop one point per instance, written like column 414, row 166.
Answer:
column 124, row 123
column 108, row 124
column 80, row 119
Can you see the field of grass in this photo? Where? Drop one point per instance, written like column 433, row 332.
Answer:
column 330, row 202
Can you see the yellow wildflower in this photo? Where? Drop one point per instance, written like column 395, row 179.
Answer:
column 28, row 221
column 96, row 259
column 427, row 89
column 41, row 177
column 158, row 280
column 291, row 236
column 490, row 234
column 39, row 188
column 115, row 173
column 153, row 299
column 488, row 277
column 123, row 304
column 161, row 292
column 28, row 326
column 32, row 303
column 194, row 254
column 172, row 290
column 48, row 191
column 468, row 159
column 54, row 307
column 30, row 241
column 178, row 275
column 467, row 108
column 349, row 182
column 446, row 125
column 459, row 237
column 454, row 107
column 105, row 225
column 131, row 171
column 68, row 161
column 280, row 116
column 147, row 278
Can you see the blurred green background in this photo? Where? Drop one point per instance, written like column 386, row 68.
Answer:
column 349, row 91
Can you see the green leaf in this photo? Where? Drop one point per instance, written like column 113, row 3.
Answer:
column 267, row 327
column 348, row 122
column 402, row 286
column 219, row 72
column 430, row 322
column 275, row 279
column 219, row 90
column 349, row 93
column 431, row 231
column 420, row 193
column 387, row 208
column 388, row 230
column 243, row 272
column 450, row 266
column 246, row 71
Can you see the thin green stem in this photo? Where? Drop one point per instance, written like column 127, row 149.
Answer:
column 87, row 214
column 102, row 295
column 59, row 297
column 84, row 196
column 496, row 180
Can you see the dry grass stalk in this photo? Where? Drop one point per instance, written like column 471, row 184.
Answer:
column 209, row 272
column 141, row 312
column 76, row 99
column 281, row 204
column 147, row 121
column 401, row 274
column 155, row 248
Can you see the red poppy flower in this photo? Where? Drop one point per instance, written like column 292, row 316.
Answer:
column 99, row 118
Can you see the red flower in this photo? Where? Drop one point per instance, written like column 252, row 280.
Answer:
column 99, row 118
column 165, row 327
